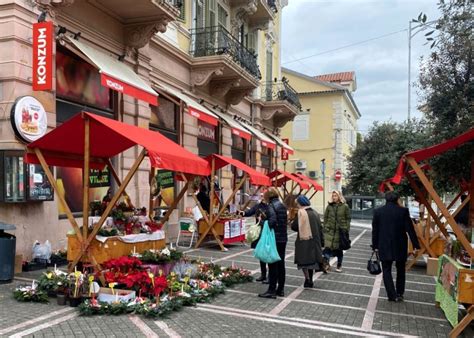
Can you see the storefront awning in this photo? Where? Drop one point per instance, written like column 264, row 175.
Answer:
column 264, row 139
column 109, row 138
column 115, row 74
column 281, row 143
column 194, row 108
column 235, row 126
column 280, row 177
column 256, row 178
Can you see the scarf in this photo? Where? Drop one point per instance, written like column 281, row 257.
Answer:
column 304, row 227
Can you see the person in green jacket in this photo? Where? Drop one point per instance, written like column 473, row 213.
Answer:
column 336, row 216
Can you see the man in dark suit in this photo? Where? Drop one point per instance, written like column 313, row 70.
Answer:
column 390, row 226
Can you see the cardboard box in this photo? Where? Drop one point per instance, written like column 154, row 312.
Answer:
column 18, row 263
column 432, row 266
column 105, row 295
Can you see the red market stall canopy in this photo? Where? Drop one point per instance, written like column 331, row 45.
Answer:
column 280, row 177
column 256, row 178
column 64, row 145
column 314, row 184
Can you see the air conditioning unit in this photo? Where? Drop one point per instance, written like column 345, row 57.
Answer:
column 300, row 165
column 313, row 174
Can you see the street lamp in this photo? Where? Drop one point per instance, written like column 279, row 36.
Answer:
column 412, row 31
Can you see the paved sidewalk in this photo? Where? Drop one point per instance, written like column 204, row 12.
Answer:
column 351, row 303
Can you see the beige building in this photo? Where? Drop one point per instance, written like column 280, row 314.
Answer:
column 215, row 65
column 325, row 130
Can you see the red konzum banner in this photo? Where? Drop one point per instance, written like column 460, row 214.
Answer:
column 284, row 152
column 43, row 55
column 123, row 87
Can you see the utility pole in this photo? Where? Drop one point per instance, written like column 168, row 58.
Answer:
column 323, row 173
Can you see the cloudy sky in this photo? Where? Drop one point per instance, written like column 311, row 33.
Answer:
column 316, row 26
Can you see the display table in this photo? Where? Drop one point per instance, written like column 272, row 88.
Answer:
column 105, row 248
column 231, row 230
column 454, row 286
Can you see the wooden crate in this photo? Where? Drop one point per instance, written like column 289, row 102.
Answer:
column 112, row 248
column 466, row 286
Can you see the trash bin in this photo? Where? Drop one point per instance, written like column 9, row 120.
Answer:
column 7, row 253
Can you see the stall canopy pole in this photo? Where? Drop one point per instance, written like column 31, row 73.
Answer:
column 211, row 196
column 456, row 331
column 429, row 188
column 175, row 203
column 118, row 180
column 213, row 222
column 109, row 208
column 250, row 198
column 151, row 210
column 51, row 179
column 471, row 194
column 85, row 177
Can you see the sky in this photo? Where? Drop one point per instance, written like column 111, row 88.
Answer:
column 315, row 26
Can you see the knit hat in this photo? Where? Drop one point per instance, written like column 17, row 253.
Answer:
column 303, row 201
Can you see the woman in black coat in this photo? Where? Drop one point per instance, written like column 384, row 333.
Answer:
column 310, row 240
column 260, row 212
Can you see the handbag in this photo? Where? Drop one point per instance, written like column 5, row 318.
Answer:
column 373, row 265
column 344, row 241
column 266, row 250
column 253, row 233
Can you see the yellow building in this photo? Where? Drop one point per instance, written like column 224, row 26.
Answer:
column 325, row 130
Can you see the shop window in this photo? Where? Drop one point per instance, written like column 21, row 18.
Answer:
column 79, row 82
column 267, row 156
column 165, row 119
column 239, row 148
column 22, row 182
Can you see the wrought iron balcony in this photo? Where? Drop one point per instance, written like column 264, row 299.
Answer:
column 280, row 91
column 272, row 4
column 210, row 41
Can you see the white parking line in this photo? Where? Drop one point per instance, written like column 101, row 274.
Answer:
column 141, row 325
column 44, row 325
column 368, row 321
column 35, row 320
column 169, row 331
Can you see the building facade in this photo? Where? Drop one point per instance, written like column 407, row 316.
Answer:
column 325, row 132
column 214, row 65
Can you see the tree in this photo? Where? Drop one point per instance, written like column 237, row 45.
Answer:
column 376, row 156
column 447, row 89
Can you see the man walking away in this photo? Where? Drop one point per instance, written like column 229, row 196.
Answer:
column 390, row 226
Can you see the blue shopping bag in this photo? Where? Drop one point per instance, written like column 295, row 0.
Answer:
column 266, row 249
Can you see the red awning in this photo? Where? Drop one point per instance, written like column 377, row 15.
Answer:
column 423, row 154
column 313, row 183
column 64, row 145
column 256, row 178
column 282, row 177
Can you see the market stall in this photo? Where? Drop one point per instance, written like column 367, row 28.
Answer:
column 226, row 227
column 280, row 178
column 91, row 143
column 455, row 281
column 314, row 185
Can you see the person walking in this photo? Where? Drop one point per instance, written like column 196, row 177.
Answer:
column 390, row 225
column 260, row 212
column 277, row 220
column 310, row 240
column 337, row 217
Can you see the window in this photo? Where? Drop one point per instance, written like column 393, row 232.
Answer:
column 22, row 182
column 239, row 148
column 182, row 11
column 267, row 156
column 164, row 118
column 301, row 128
column 207, row 139
column 221, row 16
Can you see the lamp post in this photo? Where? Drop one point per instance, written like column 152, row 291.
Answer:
column 322, row 168
column 412, row 31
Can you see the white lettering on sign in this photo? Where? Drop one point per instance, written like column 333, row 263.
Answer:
column 41, row 70
column 207, row 131
column 114, row 85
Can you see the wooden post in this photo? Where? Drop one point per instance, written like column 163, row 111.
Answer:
column 314, row 193
column 471, row 194
column 85, row 179
column 469, row 317
column 214, row 220
column 175, row 203
column 211, row 195
column 429, row 188
column 250, row 198
column 51, row 179
column 109, row 208
column 117, row 180
column 151, row 210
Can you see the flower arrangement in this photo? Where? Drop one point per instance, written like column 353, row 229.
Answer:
column 162, row 256
column 53, row 281
column 30, row 293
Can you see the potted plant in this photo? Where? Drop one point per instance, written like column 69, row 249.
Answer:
column 76, row 279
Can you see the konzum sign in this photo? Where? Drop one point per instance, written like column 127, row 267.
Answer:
column 43, row 55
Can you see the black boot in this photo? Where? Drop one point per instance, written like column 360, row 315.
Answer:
column 306, row 283
column 268, row 294
column 261, row 278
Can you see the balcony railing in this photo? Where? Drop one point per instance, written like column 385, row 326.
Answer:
column 175, row 3
column 218, row 41
column 272, row 5
column 280, row 91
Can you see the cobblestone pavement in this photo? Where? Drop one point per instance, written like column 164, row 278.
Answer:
column 351, row 303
